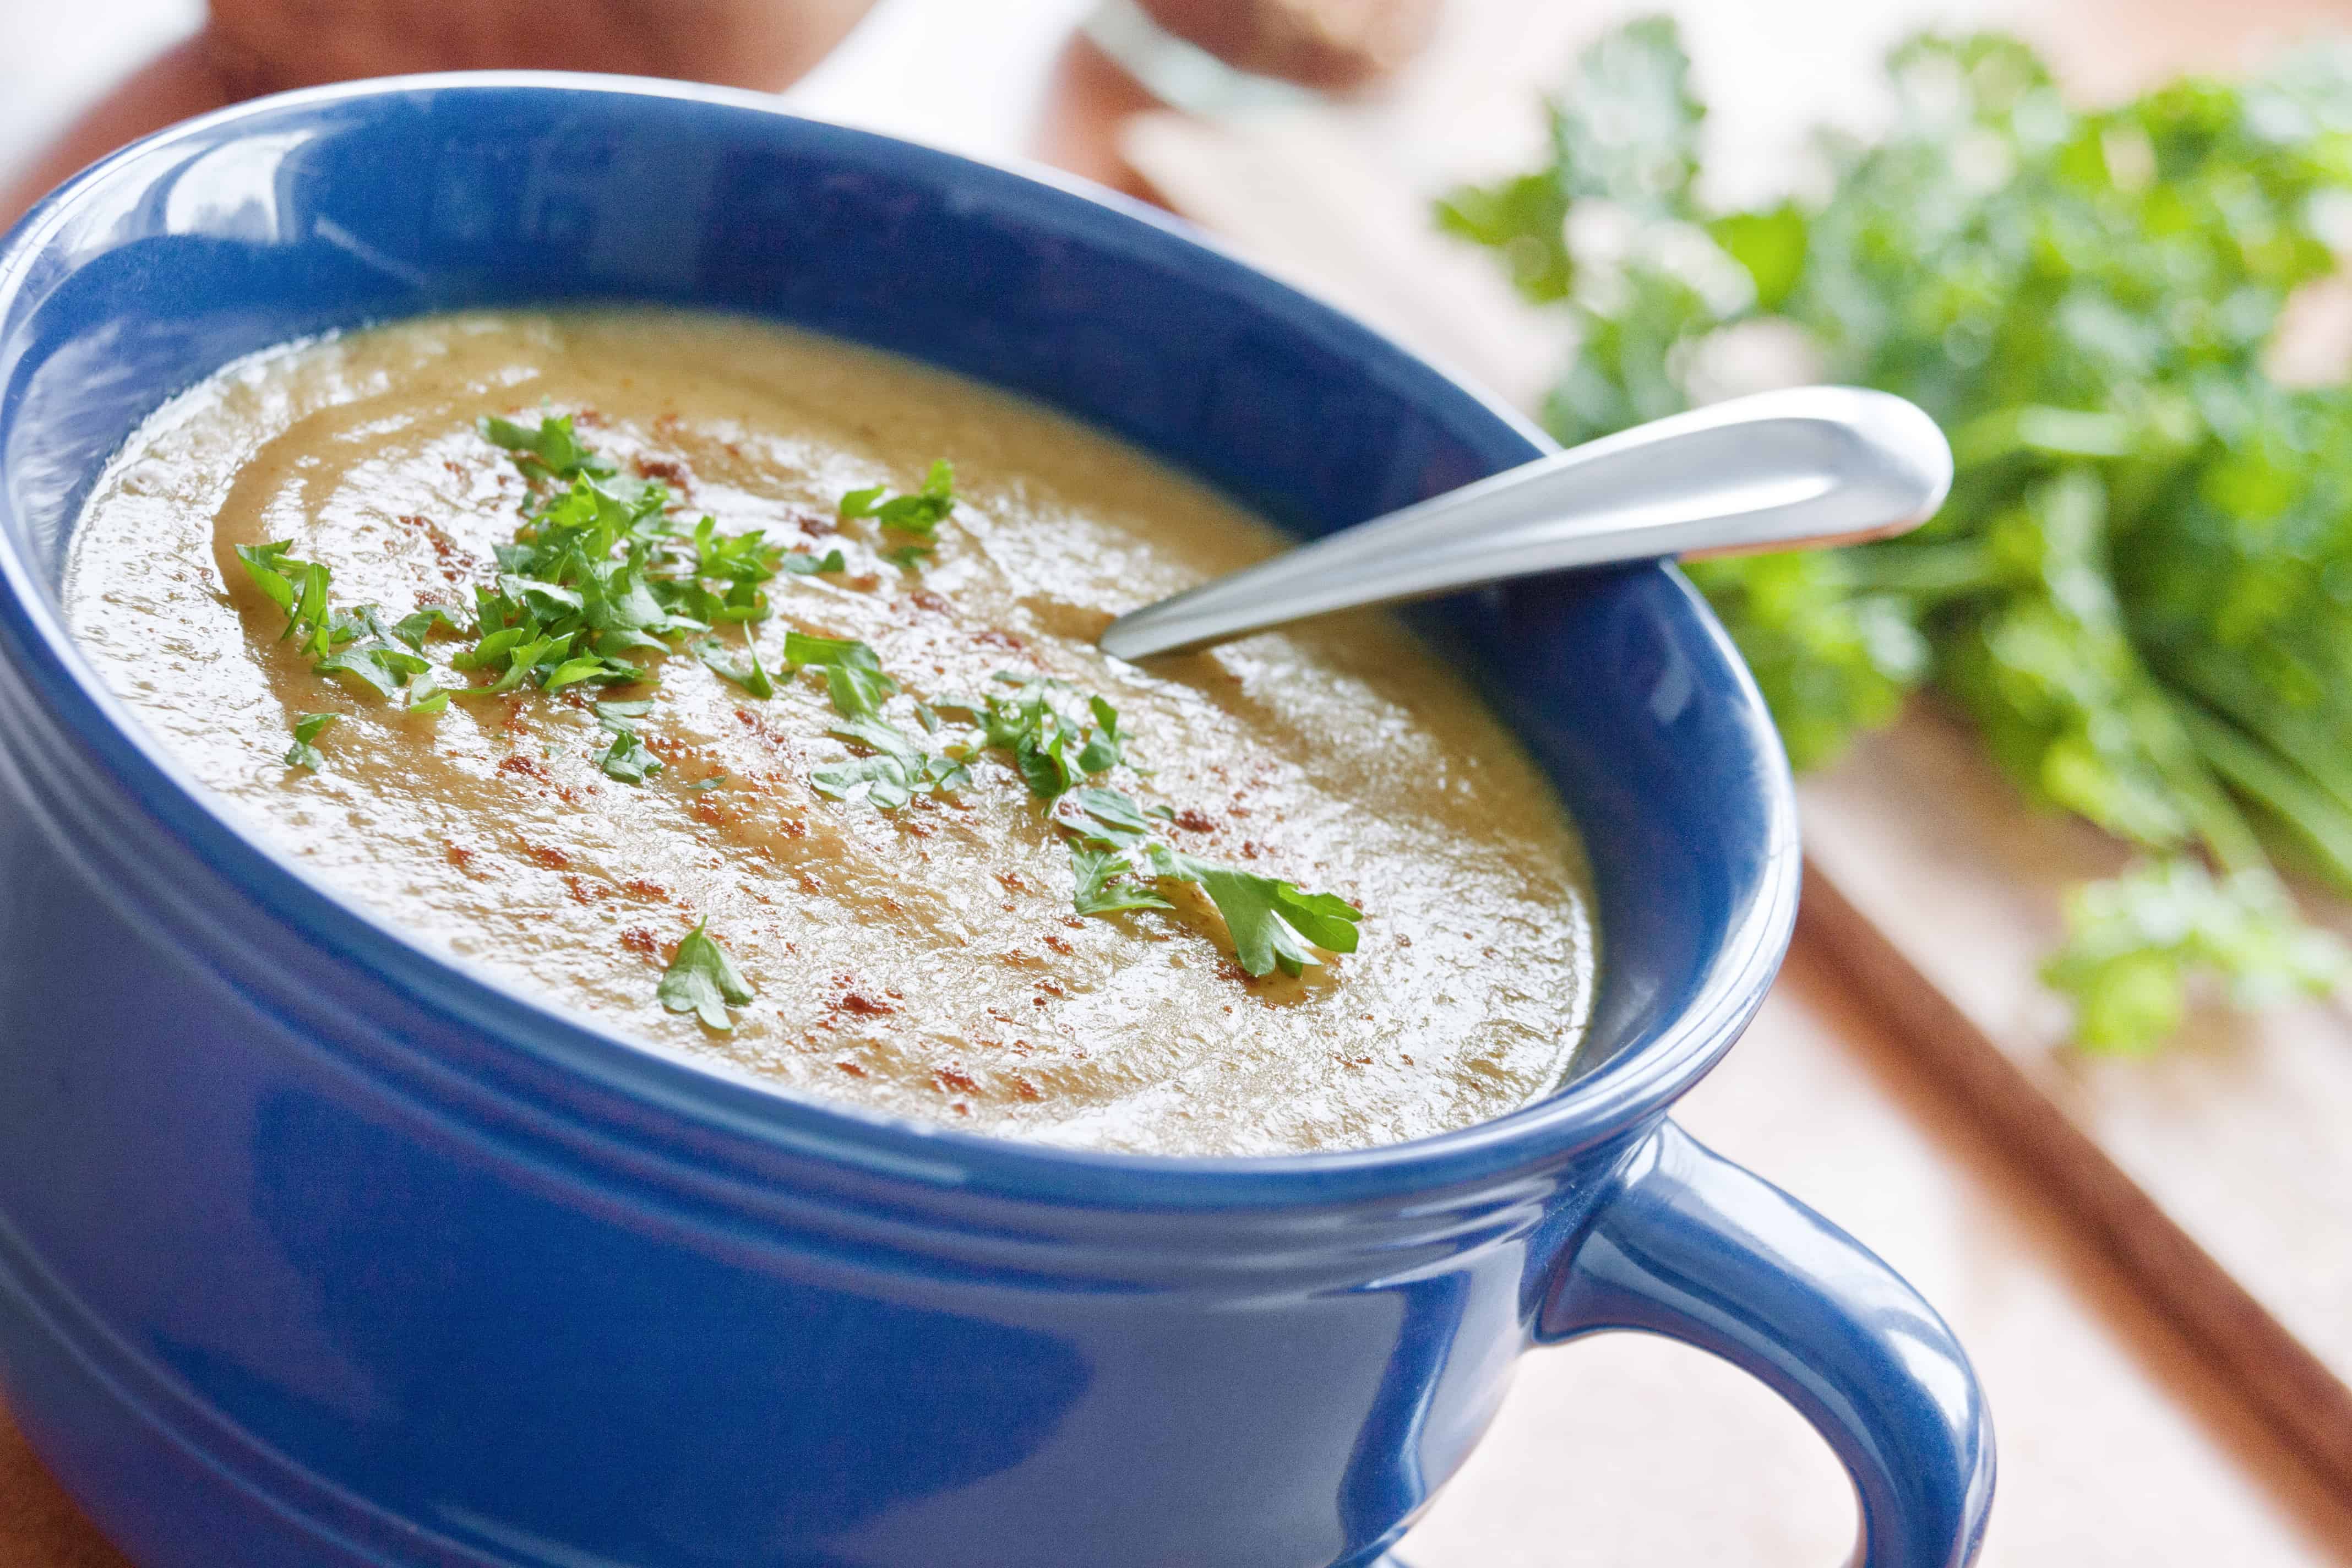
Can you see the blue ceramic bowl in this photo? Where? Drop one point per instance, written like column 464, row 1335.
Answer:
column 317, row 1249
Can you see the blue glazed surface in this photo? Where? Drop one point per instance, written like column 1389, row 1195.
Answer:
column 314, row 1249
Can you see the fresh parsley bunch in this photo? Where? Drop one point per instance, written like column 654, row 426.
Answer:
column 2140, row 591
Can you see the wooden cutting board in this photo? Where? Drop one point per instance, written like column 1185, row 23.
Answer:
column 2218, row 1174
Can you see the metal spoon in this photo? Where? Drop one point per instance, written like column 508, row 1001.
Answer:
column 1814, row 465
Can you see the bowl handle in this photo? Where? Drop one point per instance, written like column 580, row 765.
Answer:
column 1694, row 1247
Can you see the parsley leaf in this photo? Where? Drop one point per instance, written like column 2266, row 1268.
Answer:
column 1267, row 917
column 627, row 760
column 878, row 735
column 748, row 675
column 919, row 512
column 1105, row 748
column 1108, row 816
column 307, row 729
column 381, row 668
column 853, row 676
column 584, row 667
column 1046, row 761
column 421, row 622
column 550, row 450
column 702, row 979
column 311, row 615
column 883, row 778
column 270, row 570
column 900, row 770
column 299, row 588
column 597, row 570
column 1053, row 749
column 1108, row 883
column 1270, row 920
column 857, row 687
column 2135, row 943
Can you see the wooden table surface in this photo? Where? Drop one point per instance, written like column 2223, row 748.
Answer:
column 2118, row 1446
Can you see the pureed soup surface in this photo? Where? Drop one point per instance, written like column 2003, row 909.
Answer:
column 927, row 958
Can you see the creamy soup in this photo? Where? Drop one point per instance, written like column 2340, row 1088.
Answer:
column 917, row 855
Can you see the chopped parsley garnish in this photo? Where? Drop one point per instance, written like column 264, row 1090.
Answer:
column 702, row 979
column 853, row 676
column 749, row 673
column 1108, row 884
column 627, row 758
column 356, row 647
column 1262, row 912
column 1106, row 746
column 1053, row 750
column 308, row 727
column 898, row 768
column 1114, row 855
column 297, row 587
column 897, row 771
column 380, row 667
column 918, row 512
column 584, row 583
column 421, row 622
column 891, row 779
column 597, row 571
column 551, row 450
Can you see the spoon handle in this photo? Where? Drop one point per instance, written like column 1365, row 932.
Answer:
column 1814, row 465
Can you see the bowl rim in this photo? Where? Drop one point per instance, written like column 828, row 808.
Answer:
column 1623, row 1093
